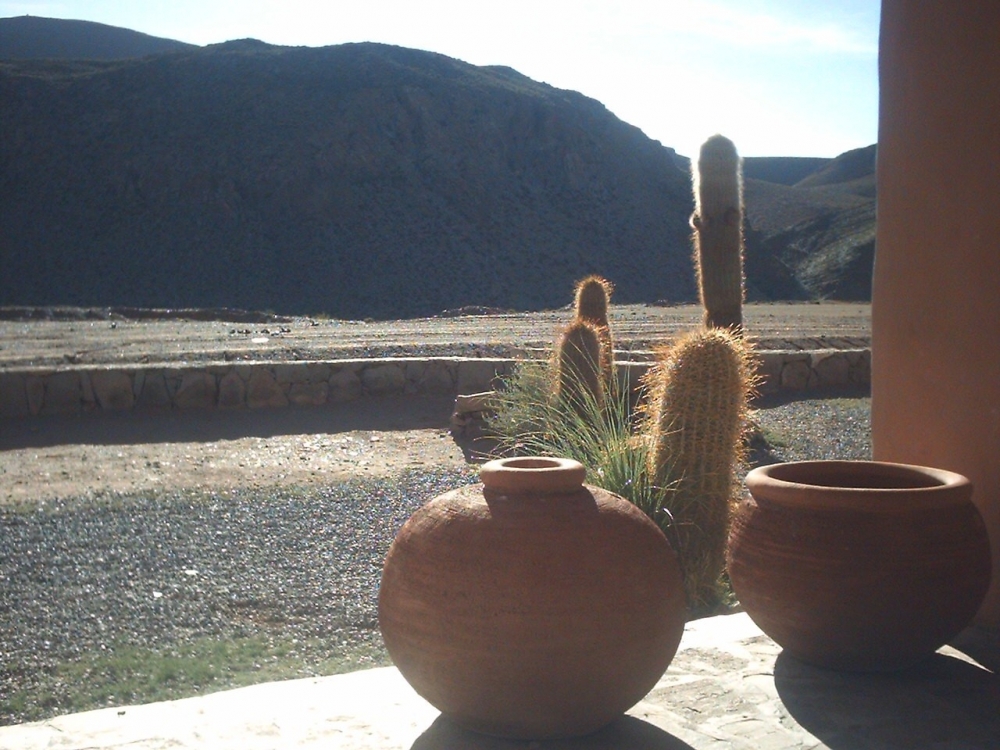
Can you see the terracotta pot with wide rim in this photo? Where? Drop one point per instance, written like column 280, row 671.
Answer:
column 531, row 605
column 859, row 565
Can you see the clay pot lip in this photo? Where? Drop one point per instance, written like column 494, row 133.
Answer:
column 541, row 474
column 873, row 485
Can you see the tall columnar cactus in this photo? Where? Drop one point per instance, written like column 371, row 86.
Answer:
column 694, row 422
column 718, row 232
column 593, row 296
column 579, row 383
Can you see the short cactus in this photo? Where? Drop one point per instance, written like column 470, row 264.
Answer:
column 718, row 232
column 579, row 383
column 694, row 422
column 593, row 295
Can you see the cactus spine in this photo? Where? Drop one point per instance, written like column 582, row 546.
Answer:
column 718, row 232
column 593, row 295
column 579, row 383
column 694, row 421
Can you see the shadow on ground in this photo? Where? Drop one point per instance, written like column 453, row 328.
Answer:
column 626, row 733
column 786, row 397
column 942, row 702
column 131, row 428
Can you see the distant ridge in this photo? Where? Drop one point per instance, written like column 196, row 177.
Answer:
column 852, row 171
column 849, row 166
column 782, row 170
column 818, row 235
column 34, row 37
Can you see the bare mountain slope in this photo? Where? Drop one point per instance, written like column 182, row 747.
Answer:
column 815, row 239
column 32, row 37
column 357, row 180
column 360, row 180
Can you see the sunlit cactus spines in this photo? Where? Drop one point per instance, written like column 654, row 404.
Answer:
column 591, row 303
column 591, row 299
column 694, row 422
column 718, row 232
column 579, row 381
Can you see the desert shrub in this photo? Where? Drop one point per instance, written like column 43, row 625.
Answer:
column 531, row 419
column 628, row 453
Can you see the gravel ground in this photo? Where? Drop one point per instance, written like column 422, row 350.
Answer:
column 828, row 428
column 155, row 570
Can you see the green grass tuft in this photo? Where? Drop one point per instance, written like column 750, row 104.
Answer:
column 127, row 675
column 609, row 440
column 531, row 420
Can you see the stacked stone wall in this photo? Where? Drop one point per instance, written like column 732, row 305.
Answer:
column 26, row 392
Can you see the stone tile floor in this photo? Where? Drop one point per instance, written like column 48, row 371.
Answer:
column 729, row 686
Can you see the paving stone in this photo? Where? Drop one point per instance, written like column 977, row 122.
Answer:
column 232, row 391
column 138, row 380
column 308, row 394
column 476, row 375
column 197, row 390
column 729, row 686
column 831, row 369
column 87, row 397
column 345, row 385
column 63, row 394
column 861, row 366
column 474, row 402
column 383, row 379
column 795, row 374
column 113, row 389
column 436, row 377
column 154, row 393
column 263, row 391
column 292, row 372
column 13, row 396
column 769, row 366
column 318, row 372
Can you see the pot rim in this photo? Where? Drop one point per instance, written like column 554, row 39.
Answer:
column 543, row 474
column 872, row 485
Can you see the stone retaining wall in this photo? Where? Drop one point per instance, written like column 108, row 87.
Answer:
column 70, row 390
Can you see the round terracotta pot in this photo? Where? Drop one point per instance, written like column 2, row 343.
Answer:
column 531, row 606
column 859, row 565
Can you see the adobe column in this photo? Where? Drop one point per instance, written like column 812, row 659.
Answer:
column 936, row 292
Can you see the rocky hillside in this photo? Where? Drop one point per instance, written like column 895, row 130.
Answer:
column 360, row 180
column 28, row 37
column 816, row 238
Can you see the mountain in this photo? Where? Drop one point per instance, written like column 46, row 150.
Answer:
column 853, row 171
column 810, row 226
column 360, row 180
column 357, row 180
column 816, row 238
column 32, row 37
column 782, row 170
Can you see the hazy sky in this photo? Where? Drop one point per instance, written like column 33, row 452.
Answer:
column 779, row 77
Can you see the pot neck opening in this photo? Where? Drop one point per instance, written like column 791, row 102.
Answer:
column 537, row 474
